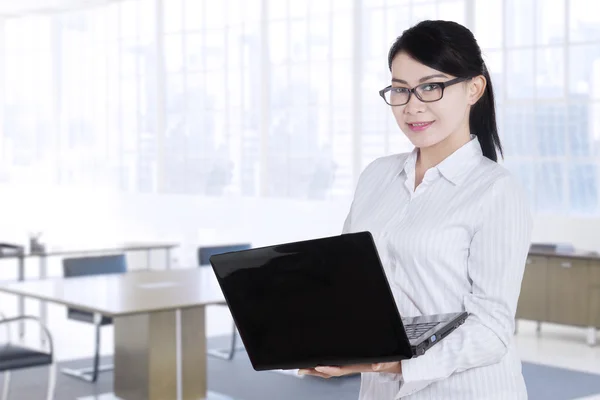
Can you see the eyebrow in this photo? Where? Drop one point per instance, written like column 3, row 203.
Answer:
column 423, row 79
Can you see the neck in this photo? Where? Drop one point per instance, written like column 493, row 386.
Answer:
column 431, row 156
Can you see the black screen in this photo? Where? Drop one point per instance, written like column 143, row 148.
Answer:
column 316, row 302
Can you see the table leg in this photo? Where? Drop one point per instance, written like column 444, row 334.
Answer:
column 168, row 251
column 148, row 365
column 591, row 336
column 43, row 304
column 21, row 299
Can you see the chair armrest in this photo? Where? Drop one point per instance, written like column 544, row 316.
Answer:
column 32, row 318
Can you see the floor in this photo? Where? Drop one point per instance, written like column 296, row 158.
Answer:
column 559, row 346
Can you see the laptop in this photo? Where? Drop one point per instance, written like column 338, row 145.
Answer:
column 323, row 301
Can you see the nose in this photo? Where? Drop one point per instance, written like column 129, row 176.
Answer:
column 414, row 105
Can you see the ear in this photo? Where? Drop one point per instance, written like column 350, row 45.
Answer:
column 476, row 88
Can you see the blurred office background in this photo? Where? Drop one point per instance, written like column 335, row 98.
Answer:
column 221, row 121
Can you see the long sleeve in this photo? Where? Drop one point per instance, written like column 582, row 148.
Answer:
column 496, row 261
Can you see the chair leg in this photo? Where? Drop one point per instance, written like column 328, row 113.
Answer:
column 90, row 374
column 227, row 354
column 96, row 355
column 51, row 381
column 233, row 340
column 6, row 386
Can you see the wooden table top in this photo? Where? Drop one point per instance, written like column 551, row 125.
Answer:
column 126, row 294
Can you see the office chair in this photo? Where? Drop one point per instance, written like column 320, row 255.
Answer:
column 14, row 357
column 86, row 266
column 204, row 254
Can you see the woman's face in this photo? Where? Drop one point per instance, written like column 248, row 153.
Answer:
column 429, row 123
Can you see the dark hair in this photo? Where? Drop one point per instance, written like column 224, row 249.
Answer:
column 451, row 48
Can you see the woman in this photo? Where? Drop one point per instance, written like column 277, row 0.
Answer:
column 451, row 225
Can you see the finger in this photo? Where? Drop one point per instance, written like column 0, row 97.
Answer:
column 345, row 370
column 312, row 372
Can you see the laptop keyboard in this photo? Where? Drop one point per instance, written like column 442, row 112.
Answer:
column 414, row 331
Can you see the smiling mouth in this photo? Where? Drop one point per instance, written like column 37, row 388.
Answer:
column 420, row 126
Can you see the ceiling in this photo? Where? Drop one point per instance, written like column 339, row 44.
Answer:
column 22, row 7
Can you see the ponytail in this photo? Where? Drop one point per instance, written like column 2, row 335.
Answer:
column 482, row 121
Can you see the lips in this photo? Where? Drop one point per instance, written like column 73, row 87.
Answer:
column 419, row 126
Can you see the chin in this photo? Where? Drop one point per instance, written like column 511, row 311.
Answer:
column 423, row 140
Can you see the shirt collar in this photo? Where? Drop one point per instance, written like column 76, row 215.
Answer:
column 453, row 167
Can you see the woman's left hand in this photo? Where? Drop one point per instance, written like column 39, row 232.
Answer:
column 329, row 372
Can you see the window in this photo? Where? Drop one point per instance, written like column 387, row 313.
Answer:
column 278, row 98
column 548, row 96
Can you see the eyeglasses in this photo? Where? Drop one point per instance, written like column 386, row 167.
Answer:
column 426, row 92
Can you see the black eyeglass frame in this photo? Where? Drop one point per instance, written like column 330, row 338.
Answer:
column 412, row 91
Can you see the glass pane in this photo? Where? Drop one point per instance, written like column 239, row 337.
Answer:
column 173, row 53
column 214, row 51
column 584, row 72
column 549, row 187
column 147, row 23
column 194, row 15
column 278, row 9
column 374, row 43
column 298, row 8
column 524, row 171
column 298, row 41
column 550, row 74
column 234, row 48
column 215, row 81
column 173, row 15
column 129, row 19
column 318, row 41
column 215, row 14
column 452, row 11
column 494, row 60
column 584, row 21
column 342, row 5
column 551, row 128
column 342, row 36
column 195, row 58
column 319, row 7
column 235, row 12
column 397, row 20
column 423, row 12
column 583, row 129
column 299, row 85
column 519, row 27
column 520, row 78
column 320, row 83
column 278, row 42
column 583, row 185
column 550, row 21
column 518, row 132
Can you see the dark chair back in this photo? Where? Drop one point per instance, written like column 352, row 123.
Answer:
column 205, row 253
column 96, row 265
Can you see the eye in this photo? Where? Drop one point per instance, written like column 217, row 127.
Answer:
column 399, row 90
column 428, row 87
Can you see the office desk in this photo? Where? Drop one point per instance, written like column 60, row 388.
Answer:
column 562, row 287
column 79, row 250
column 159, row 325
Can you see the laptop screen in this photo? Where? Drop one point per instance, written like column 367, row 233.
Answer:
column 322, row 301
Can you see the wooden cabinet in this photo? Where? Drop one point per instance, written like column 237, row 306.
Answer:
column 561, row 289
column 594, row 316
column 534, row 290
column 568, row 299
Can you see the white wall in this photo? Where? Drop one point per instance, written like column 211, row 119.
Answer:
column 95, row 217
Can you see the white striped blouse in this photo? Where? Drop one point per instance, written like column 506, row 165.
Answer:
column 457, row 242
